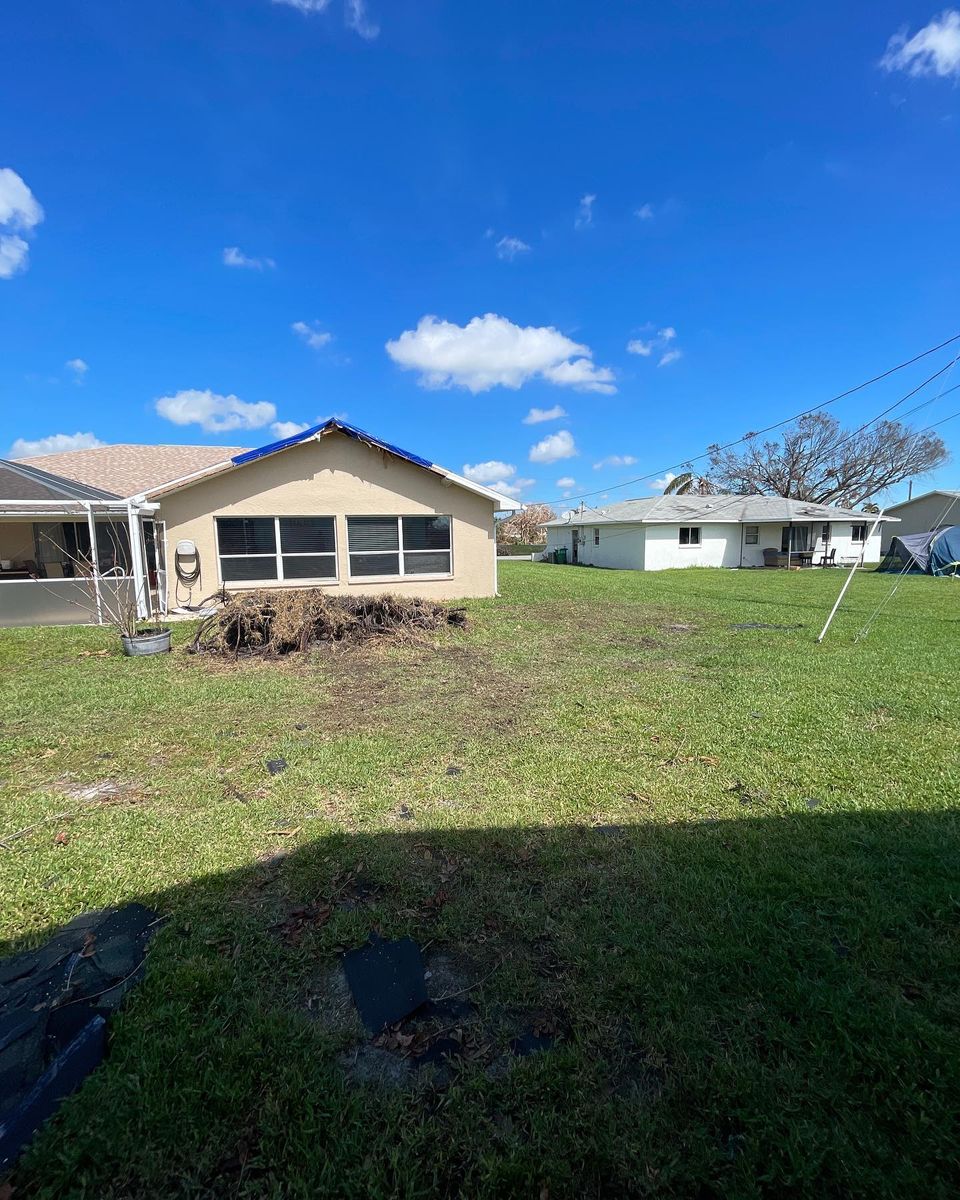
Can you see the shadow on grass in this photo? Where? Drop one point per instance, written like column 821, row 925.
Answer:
column 751, row 1008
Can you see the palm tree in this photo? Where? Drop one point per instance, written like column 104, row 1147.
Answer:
column 688, row 484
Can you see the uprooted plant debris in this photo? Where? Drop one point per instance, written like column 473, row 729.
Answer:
column 272, row 623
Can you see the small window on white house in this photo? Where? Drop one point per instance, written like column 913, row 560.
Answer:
column 276, row 548
column 751, row 534
column 399, row 546
column 858, row 533
column 689, row 535
column 596, row 537
column 825, row 533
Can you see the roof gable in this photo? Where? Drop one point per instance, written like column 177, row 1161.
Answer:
column 315, row 433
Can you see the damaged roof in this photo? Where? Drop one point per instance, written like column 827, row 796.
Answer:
column 315, row 433
column 672, row 510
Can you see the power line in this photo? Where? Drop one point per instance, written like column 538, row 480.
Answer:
column 779, row 424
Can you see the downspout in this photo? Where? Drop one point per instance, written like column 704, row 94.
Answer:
column 94, row 560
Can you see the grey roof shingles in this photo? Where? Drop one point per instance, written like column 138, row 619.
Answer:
column 678, row 510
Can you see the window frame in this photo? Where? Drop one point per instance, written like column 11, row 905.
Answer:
column 690, row 544
column 596, row 535
column 862, row 539
column 400, row 552
column 751, row 535
column 279, row 553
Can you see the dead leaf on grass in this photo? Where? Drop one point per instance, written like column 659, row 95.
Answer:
column 61, row 839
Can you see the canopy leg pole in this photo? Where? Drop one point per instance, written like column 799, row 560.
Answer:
column 849, row 579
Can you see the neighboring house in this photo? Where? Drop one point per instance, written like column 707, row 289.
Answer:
column 923, row 514
column 332, row 507
column 713, row 531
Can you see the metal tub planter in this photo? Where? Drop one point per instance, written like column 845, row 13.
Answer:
column 146, row 641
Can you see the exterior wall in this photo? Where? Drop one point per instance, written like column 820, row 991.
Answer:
column 57, row 601
column 339, row 477
column 920, row 515
column 657, row 547
column 719, row 547
column 16, row 540
column 621, row 546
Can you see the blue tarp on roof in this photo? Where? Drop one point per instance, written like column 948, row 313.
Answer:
column 350, row 430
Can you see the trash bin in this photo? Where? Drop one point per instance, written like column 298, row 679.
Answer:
column 560, row 554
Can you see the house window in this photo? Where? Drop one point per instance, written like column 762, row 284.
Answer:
column 858, row 533
column 596, row 537
column 689, row 535
column 264, row 549
column 399, row 546
column 751, row 534
column 825, row 533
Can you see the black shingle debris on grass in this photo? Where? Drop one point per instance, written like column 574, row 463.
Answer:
column 54, row 1004
column 763, row 625
column 453, row 770
column 812, row 802
column 276, row 765
column 531, row 1042
column 386, row 981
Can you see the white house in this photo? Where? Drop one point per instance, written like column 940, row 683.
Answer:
column 714, row 531
column 932, row 510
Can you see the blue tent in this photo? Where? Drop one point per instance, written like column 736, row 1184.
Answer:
column 934, row 553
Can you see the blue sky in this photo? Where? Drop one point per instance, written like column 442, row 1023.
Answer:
column 675, row 223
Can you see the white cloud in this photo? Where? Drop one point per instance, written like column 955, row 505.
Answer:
column 490, row 351
column 566, row 481
column 214, row 413
column 306, row 6
column 233, row 256
column 315, row 337
column 660, row 485
column 554, row 447
column 644, row 212
column 285, row 429
column 486, row 472
column 659, row 343
column 19, row 214
column 933, row 50
column 509, row 247
column 78, row 367
column 56, row 443
column 509, row 487
column 537, row 415
column 585, row 212
column 359, row 22
column 355, row 14
column 615, row 460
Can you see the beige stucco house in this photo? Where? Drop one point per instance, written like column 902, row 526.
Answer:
column 332, row 507
column 921, row 514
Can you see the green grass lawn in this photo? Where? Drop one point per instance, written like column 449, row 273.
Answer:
column 720, row 867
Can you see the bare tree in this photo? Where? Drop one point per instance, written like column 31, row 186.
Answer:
column 524, row 526
column 817, row 460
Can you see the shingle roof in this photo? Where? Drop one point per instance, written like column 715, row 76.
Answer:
column 127, row 470
column 669, row 510
column 20, row 481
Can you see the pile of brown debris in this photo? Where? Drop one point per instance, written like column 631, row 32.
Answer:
column 271, row 623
